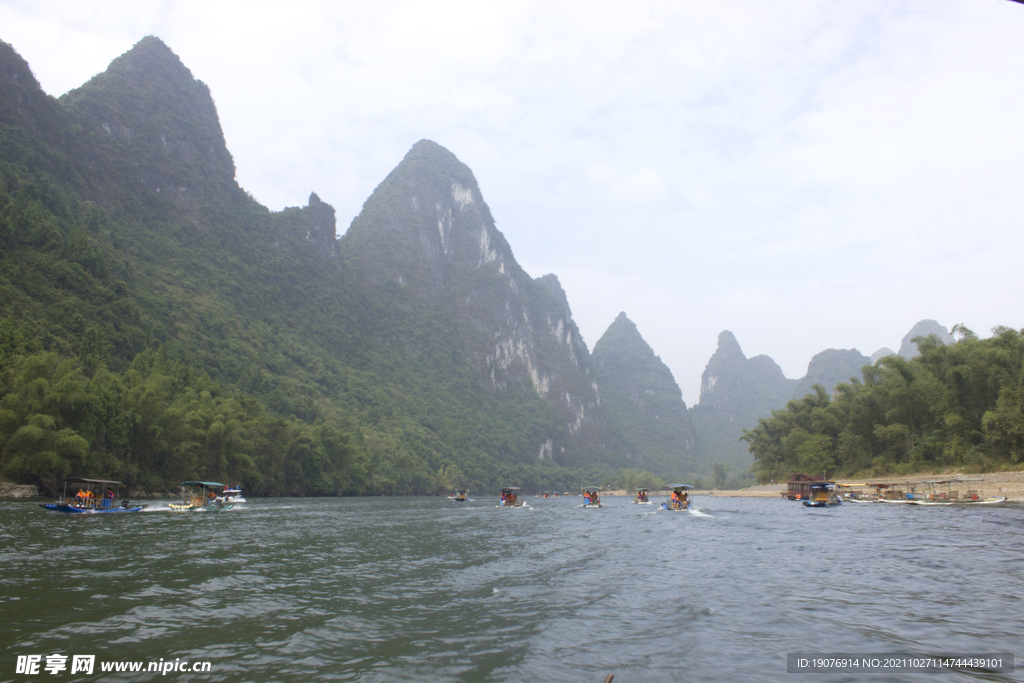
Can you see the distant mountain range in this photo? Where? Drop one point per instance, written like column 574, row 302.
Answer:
column 208, row 337
column 737, row 391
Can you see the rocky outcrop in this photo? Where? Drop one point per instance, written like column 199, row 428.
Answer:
column 8, row 490
column 147, row 125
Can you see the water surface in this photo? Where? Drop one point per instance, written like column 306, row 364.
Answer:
column 425, row 589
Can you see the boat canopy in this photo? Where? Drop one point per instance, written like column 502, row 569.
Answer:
column 592, row 488
column 641, row 489
column 201, row 483
column 823, row 485
column 80, row 480
column 686, row 487
column 511, row 488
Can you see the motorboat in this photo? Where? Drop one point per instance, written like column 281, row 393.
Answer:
column 91, row 498
column 200, row 496
column 679, row 500
column 591, row 496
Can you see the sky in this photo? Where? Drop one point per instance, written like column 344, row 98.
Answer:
column 808, row 174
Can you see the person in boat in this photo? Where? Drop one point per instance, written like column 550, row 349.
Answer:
column 110, row 493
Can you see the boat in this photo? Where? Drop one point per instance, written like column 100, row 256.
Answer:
column 641, row 497
column 232, row 495
column 201, row 496
column 461, row 496
column 823, row 494
column 547, row 494
column 935, row 494
column 510, row 497
column 679, row 501
column 91, row 498
column 591, row 496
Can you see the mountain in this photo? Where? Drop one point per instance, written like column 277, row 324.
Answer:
column 829, row 368
column 426, row 241
column 642, row 400
column 908, row 349
column 735, row 392
column 881, row 353
column 159, row 324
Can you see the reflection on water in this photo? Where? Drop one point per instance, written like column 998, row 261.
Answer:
column 429, row 589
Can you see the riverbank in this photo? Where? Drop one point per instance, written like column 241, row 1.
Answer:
column 1009, row 484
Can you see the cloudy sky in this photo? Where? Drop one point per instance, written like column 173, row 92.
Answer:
column 809, row 174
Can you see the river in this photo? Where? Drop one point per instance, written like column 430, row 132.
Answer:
column 426, row 589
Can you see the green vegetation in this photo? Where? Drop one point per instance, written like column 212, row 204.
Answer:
column 157, row 324
column 956, row 405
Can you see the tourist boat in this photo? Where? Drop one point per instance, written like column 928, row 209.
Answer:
column 641, row 497
column 510, row 497
column 823, row 494
column 201, row 496
column 91, row 498
column 679, row 501
column 935, row 494
column 232, row 495
column 546, row 494
column 461, row 496
column 591, row 496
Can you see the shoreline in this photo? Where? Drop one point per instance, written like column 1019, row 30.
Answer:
column 1009, row 484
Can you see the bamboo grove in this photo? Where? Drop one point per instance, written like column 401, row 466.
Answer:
column 957, row 405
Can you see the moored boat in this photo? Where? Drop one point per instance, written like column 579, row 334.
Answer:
column 679, row 500
column 591, row 496
column 823, row 494
column 201, row 496
column 91, row 498
column 510, row 497
column 641, row 497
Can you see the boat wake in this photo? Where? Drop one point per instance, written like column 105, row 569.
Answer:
column 697, row 513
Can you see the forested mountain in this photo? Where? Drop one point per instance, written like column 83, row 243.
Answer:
column 643, row 402
column 829, row 368
column 158, row 324
column 735, row 392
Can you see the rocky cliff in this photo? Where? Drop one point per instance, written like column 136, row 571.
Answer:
column 426, row 239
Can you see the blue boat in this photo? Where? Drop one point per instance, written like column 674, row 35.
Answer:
column 91, row 499
column 823, row 494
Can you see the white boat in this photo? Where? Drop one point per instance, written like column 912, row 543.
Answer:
column 232, row 495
